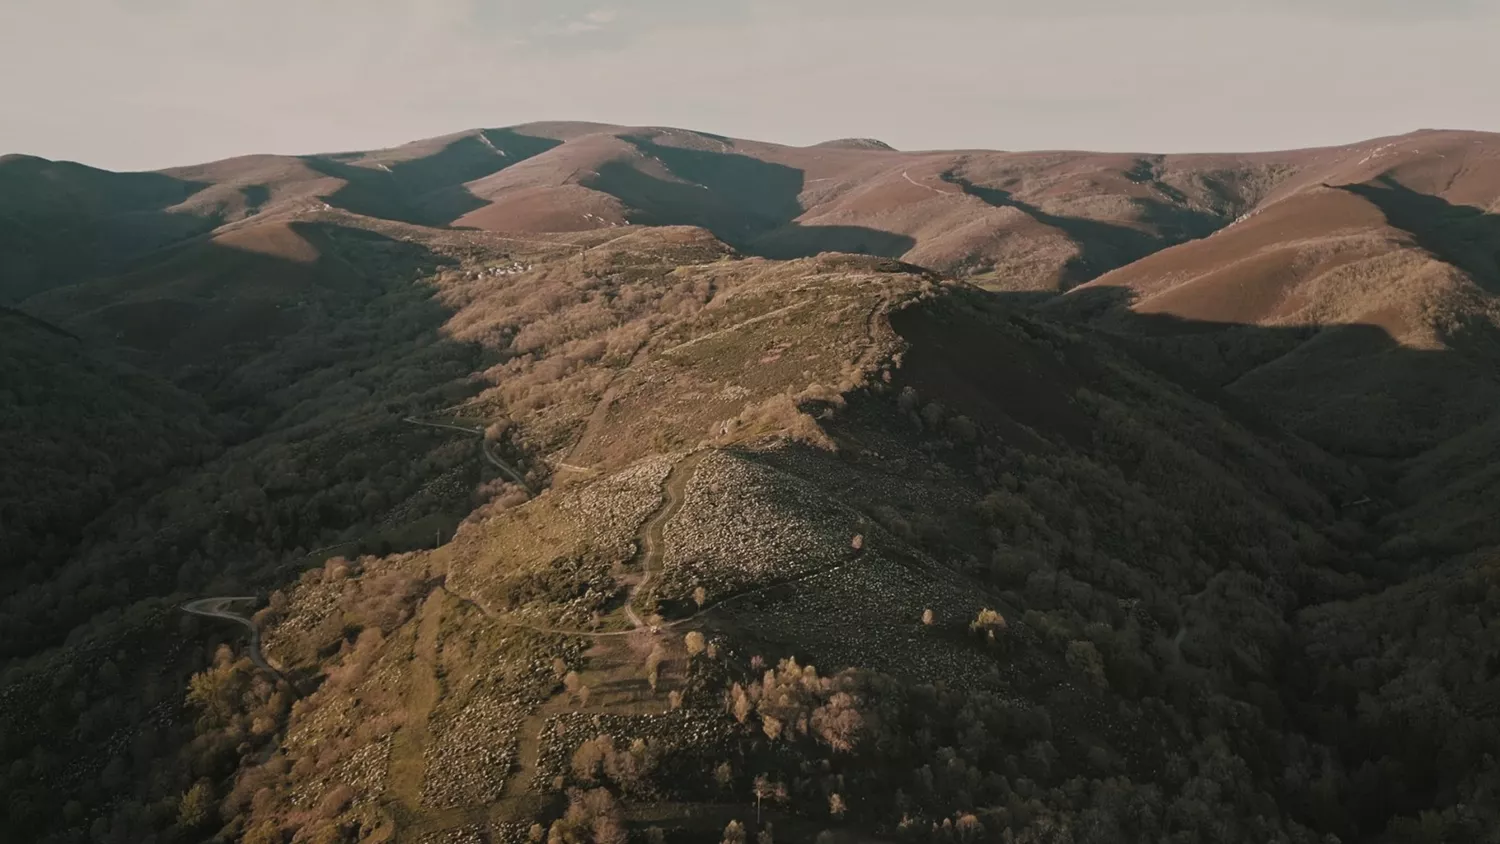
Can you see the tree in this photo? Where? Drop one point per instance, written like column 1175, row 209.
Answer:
column 988, row 622
column 593, row 817
column 197, row 806
column 632, row 767
column 217, row 691
column 734, row 833
column 1084, row 657
column 764, row 837
column 589, row 758
column 963, row 429
column 927, row 617
column 700, row 596
column 836, row 805
column 694, row 643
column 932, row 414
column 968, row 828
column 908, row 400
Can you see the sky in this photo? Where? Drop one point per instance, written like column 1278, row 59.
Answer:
column 143, row 84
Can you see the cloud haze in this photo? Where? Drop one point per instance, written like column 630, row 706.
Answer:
column 151, row 83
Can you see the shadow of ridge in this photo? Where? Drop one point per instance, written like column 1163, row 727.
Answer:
column 62, row 222
column 1460, row 235
column 1102, row 246
column 467, row 160
column 366, row 191
column 800, row 241
column 1351, row 388
column 255, row 197
column 764, row 194
column 429, row 190
column 204, row 305
column 750, row 204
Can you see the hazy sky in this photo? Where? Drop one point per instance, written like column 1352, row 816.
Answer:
column 153, row 83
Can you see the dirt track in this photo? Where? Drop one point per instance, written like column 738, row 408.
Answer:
column 652, row 546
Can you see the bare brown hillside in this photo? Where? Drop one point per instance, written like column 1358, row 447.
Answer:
column 1016, row 220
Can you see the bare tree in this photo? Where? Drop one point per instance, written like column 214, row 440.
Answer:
column 724, row 775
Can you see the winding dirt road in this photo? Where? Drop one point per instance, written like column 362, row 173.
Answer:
column 489, row 455
column 214, row 608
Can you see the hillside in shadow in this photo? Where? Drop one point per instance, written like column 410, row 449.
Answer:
column 1349, row 387
column 61, row 222
column 1417, row 547
column 78, row 432
column 428, row 190
column 304, row 410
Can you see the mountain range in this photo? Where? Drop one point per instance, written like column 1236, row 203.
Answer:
column 585, row 482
